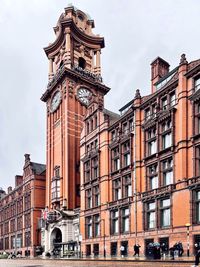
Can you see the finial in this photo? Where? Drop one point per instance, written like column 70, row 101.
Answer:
column 27, row 157
column 183, row 60
column 137, row 94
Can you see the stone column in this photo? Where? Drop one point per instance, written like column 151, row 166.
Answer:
column 50, row 68
column 98, row 62
column 67, row 56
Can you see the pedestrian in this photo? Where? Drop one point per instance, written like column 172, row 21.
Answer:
column 197, row 255
column 122, row 250
column 163, row 249
column 172, row 249
column 180, row 249
column 137, row 250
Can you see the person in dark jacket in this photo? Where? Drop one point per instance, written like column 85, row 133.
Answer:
column 136, row 250
column 197, row 254
column 172, row 249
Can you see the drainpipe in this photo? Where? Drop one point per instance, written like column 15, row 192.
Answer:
column 134, row 177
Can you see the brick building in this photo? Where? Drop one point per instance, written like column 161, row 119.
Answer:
column 140, row 170
column 20, row 210
column 74, row 81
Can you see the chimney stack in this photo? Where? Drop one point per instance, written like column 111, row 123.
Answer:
column 159, row 68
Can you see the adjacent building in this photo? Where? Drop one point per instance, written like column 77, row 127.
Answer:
column 20, row 211
column 140, row 170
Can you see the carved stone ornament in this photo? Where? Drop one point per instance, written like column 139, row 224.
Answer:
column 71, row 88
column 183, row 60
column 100, row 102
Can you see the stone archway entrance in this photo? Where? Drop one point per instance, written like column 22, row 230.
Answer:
column 56, row 241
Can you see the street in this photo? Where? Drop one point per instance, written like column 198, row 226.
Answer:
column 68, row 263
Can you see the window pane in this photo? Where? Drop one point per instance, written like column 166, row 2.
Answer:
column 166, row 217
column 165, row 203
column 154, row 182
column 152, row 219
column 168, row 178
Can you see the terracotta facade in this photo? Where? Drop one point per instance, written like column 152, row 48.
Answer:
column 140, row 178
column 74, row 81
column 20, row 211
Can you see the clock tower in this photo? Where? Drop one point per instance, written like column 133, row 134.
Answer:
column 74, row 83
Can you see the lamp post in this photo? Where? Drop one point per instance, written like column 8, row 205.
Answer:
column 188, row 238
column 104, row 238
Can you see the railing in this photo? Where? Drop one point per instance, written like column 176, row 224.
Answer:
column 122, row 201
column 87, row 74
column 157, row 191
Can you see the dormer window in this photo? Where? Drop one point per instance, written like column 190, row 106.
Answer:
column 81, row 63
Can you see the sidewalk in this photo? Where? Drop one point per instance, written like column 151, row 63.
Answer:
column 127, row 259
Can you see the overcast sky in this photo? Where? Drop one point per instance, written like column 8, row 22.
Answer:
column 135, row 31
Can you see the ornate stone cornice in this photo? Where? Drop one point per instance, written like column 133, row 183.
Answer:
column 88, row 40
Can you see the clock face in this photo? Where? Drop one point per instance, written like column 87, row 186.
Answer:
column 84, row 96
column 55, row 101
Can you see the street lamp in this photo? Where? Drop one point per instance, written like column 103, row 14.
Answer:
column 104, row 238
column 188, row 238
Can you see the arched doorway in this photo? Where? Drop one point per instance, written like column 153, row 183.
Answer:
column 56, row 241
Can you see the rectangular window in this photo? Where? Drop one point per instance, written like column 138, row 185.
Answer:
column 96, row 225
column 115, row 159
column 125, row 220
column 197, row 161
column 166, row 140
column 152, row 147
column 167, row 169
column 115, row 222
column 127, row 192
column 95, row 168
column 96, row 196
column 151, row 215
column 164, row 103
column 125, row 128
column 147, row 114
column 166, row 135
column 152, row 172
column 197, row 206
column 55, row 188
column 153, row 114
column 88, row 194
column 172, row 99
column 131, row 126
column 151, row 141
column 88, row 227
column 87, row 171
column 113, row 135
column 117, row 192
column 197, row 84
column 165, row 212
column 126, row 154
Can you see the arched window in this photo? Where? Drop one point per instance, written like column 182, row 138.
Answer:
column 81, row 62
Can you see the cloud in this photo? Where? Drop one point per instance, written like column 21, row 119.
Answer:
column 135, row 33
